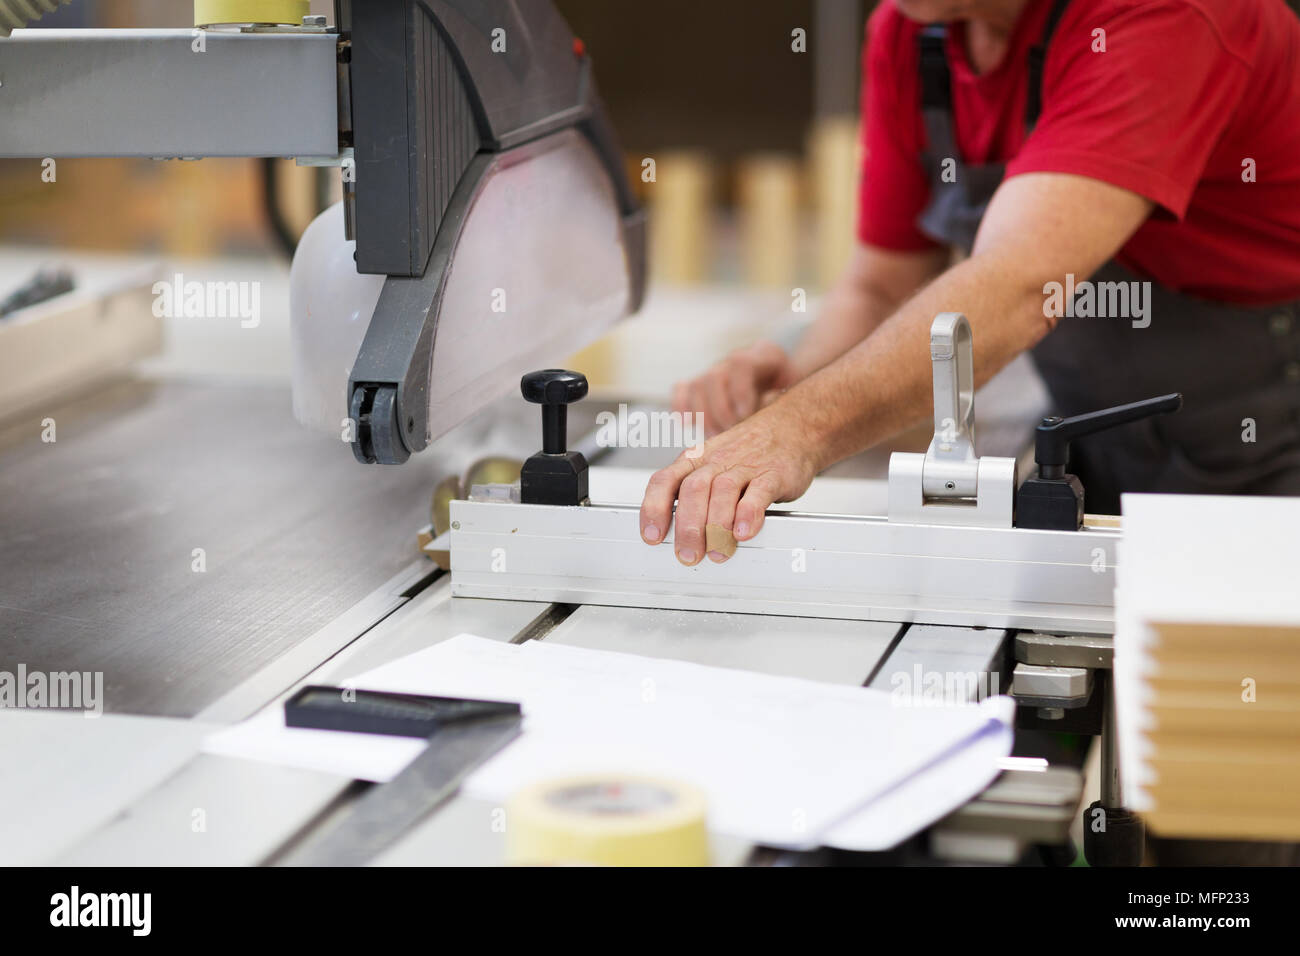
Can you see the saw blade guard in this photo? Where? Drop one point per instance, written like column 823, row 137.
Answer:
column 330, row 305
column 537, row 270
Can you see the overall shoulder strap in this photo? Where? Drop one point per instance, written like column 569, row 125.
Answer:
column 936, row 81
column 1037, row 59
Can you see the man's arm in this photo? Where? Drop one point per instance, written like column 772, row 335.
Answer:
column 875, row 283
column 1039, row 228
column 873, row 286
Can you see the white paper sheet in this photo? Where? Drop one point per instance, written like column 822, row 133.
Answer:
column 950, row 782
column 782, row 761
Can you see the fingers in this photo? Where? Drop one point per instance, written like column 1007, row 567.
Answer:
column 742, row 389
column 682, row 398
column 660, row 493
column 771, row 363
column 758, row 497
column 700, row 397
column 692, row 513
column 719, row 413
column 704, row 497
column 724, row 493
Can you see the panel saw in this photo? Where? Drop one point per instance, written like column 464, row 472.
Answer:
column 491, row 231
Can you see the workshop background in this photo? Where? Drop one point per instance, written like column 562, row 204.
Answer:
column 755, row 147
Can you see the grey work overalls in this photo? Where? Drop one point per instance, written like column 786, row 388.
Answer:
column 1234, row 365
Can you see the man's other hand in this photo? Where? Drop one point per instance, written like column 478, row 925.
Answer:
column 736, row 387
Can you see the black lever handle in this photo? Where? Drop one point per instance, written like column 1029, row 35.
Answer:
column 1053, row 500
column 1053, row 436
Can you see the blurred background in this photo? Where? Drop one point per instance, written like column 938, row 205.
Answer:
column 754, row 147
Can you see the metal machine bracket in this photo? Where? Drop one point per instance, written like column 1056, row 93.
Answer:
column 799, row 565
column 149, row 93
column 950, row 484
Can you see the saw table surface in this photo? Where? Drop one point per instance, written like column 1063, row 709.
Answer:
column 261, row 806
column 99, row 531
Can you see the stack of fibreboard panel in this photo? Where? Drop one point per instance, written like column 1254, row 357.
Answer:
column 1207, row 665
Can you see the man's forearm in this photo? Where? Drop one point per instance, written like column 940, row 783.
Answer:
column 884, row 384
column 1039, row 227
column 873, row 286
column 849, row 314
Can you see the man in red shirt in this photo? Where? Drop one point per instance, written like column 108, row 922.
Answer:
column 1154, row 142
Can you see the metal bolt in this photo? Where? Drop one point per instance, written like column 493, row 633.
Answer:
column 455, row 526
column 1051, row 713
column 1280, row 324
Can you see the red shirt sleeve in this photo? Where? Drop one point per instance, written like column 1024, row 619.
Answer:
column 1145, row 114
column 893, row 189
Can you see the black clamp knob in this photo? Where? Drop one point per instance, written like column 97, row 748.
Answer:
column 554, row 476
column 1053, row 499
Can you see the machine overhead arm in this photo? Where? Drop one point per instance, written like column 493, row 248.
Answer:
column 424, row 100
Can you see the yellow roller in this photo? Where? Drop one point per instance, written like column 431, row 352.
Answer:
column 210, row 12
column 607, row 821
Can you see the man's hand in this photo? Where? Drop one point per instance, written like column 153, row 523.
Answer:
column 874, row 284
column 730, row 483
column 736, row 387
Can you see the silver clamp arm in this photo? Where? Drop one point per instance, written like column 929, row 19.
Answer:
column 950, row 484
column 951, row 465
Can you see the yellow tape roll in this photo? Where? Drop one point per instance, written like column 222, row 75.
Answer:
column 607, row 821
column 207, row 12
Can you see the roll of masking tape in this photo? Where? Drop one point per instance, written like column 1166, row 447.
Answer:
column 607, row 821
column 209, row 12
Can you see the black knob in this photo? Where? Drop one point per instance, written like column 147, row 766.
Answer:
column 554, row 476
column 554, row 389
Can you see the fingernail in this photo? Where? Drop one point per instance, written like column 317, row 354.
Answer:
column 742, row 530
column 686, row 557
column 717, row 557
column 650, row 533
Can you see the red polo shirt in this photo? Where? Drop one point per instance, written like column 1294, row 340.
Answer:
column 1184, row 94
